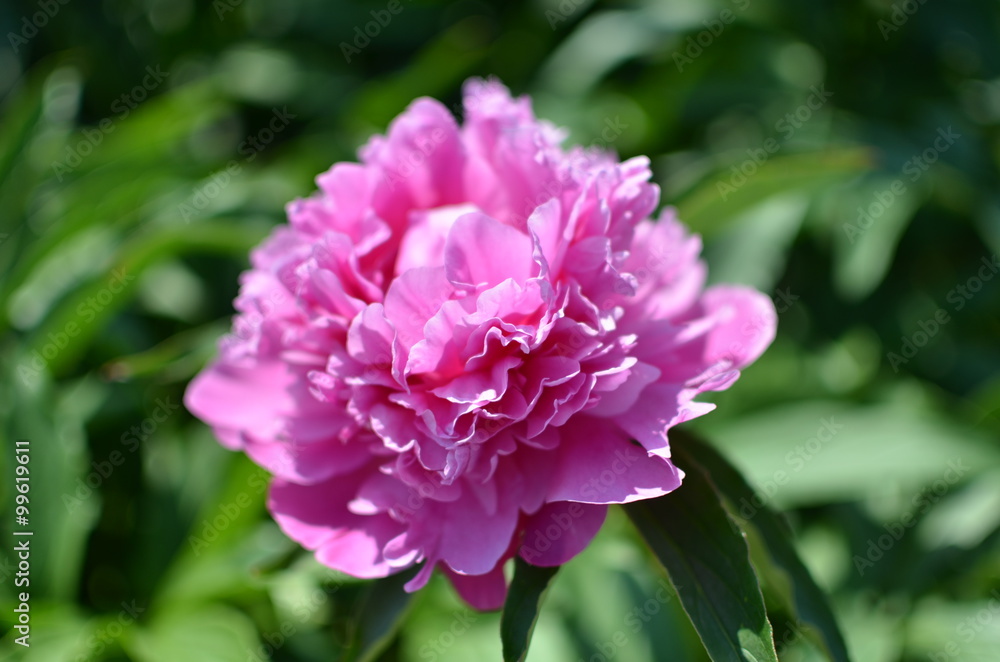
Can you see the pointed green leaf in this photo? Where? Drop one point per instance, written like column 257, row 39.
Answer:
column 712, row 204
column 21, row 111
column 134, row 258
column 809, row 601
column 861, row 259
column 379, row 614
column 520, row 611
column 707, row 559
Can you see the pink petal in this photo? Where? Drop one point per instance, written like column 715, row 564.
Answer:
column 659, row 408
column 598, row 463
column 413, row 298
column 421, row 162
column 664, row 261
column 424, row 243
column 560, row 531
column 483, row 251
column 317, row 517
column 464, row 534
column 485, row 592
column 619, row 397
column 252, row 395
column 370, row 337
column 746, row 323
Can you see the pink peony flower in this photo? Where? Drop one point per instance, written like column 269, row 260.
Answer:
column 466, row 346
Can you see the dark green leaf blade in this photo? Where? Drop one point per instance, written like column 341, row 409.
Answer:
column 707, row 559
column 520, row 611
column 809, row 601
column 377, row 617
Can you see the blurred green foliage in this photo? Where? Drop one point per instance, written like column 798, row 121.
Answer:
column 841, row 155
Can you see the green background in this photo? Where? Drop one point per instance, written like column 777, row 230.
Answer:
column 108, row 166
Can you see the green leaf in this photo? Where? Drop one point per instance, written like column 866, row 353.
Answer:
column 103, row 189
column 21, row 114
column 135, row 257
column 520, row 611
column 438, row 68
column 707, row 559
column 62, row 507
column 710, row 206
column 813, row 447
column 377, row 618
column 205, row 567
column 59, row 633
column 863, row 255
column 149, row 135
column 809, row 601
column 178, row 357
column 754, row 249
column 207, row 634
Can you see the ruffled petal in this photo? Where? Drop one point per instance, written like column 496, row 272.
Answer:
column 467, row 345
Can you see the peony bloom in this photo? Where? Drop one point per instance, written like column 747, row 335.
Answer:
column 466, row 346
